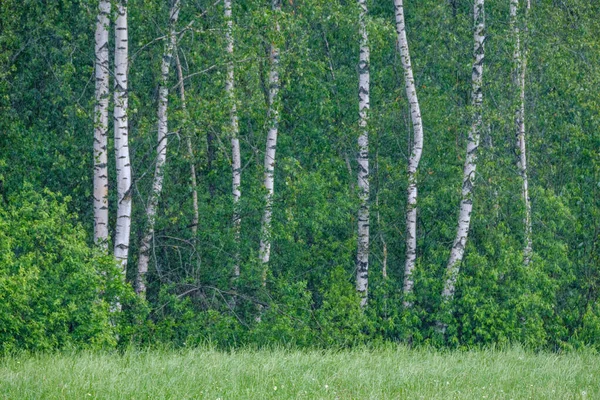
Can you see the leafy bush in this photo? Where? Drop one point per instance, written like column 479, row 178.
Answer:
column 55, row 290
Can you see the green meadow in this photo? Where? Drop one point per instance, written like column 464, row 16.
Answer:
column 389, row 373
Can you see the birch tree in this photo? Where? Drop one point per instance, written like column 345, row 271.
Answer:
column 466, row 203
column 123, row 163
column 415, row 155
column 362, row 256
column 273, row 126
column 190, row 149
column 520, row 66
column 161, row 153
column 236, row 159
column 101, row 127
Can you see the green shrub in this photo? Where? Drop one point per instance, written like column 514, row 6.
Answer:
column 55, row 290
column 286, row 319
column 340, row 322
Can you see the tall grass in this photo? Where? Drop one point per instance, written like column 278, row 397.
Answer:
column 392, row 373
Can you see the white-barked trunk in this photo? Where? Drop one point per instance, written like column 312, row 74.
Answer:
column 101, row 126
column 123, row 162
column 520, row 67
column 161, row 154
column 269, row 163
column 190, row 148
column 234, row 129
column 466, row 203
column 415, row 155
column 362, row 254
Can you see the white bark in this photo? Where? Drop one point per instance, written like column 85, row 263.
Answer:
column 415, row 155
column 236, row 159
column 101, row 127
column 273, row 125
column 161, row 156
column 123, row 163
column 190, row 149
column 466, row 204
column 362, row 256
column 520, row 66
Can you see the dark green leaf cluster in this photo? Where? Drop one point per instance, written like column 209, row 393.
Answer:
column 55, row 291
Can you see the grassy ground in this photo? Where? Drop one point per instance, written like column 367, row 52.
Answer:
column 397, row 373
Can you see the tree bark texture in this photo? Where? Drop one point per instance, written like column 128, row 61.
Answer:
column 466, row 204
column 269, row 165
column 362, row 255
column 101, row 127
column 520, row 66
column 236, row 159
column 161, row 154
column 123, row 163
column 415, row 155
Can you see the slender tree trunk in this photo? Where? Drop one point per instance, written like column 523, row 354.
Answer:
column 382, row 238
column 236, row 164
column 520, row 66
column 161, row 156
column 190, row 149
column 101, row 128
column 415, row 155
column 362, row 255
column 210, row 156
column 466, row 204
column 123, row 163
column 273, row 125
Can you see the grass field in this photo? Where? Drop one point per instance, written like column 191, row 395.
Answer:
column 393, row 373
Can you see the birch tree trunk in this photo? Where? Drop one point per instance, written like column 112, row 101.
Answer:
column 190, row 149
column 520, row 66
column 123, row 163
column 273, row 125
column 362, row 256
column 101, row 127
column 466, row 204
column 380, row 224
column 236, row 159
column 415, row 155
column 161, row 156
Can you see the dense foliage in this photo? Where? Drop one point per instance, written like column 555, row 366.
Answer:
column 54, row 289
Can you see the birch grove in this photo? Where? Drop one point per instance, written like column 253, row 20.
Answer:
column 415, row 155
column 520, row 66
column 123, row 162
column 466, row 203
column 362, row 257
column 273, row 127
column 236, row 159
column 354, row 228
column 101, row 126
column 161, row 153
